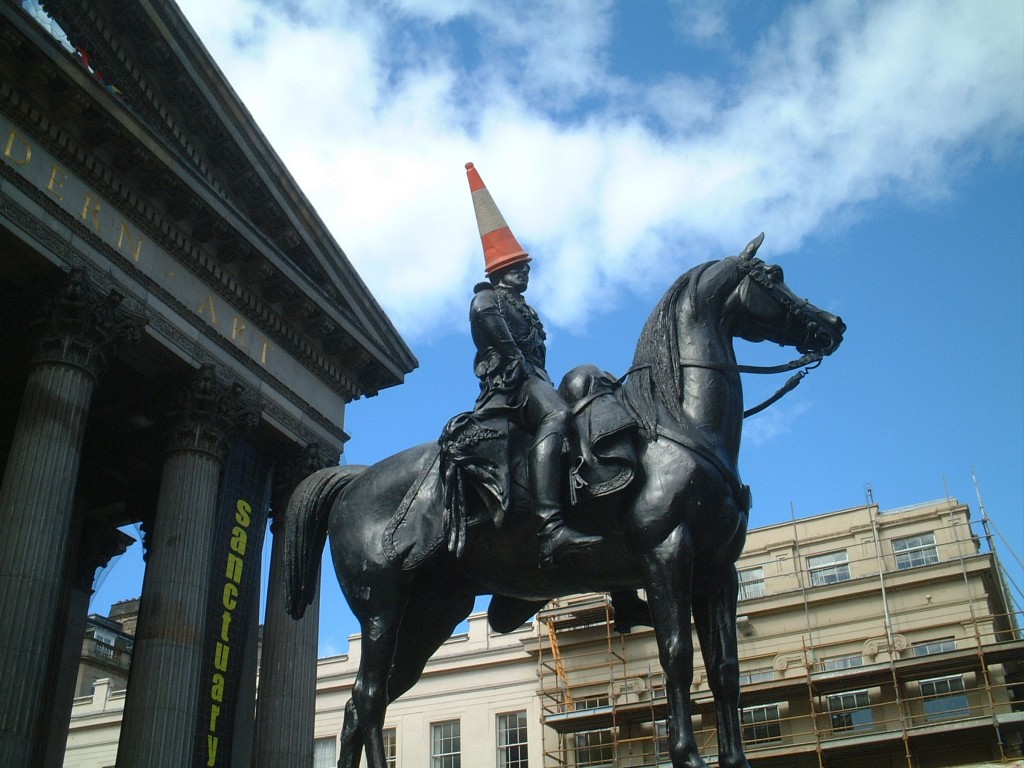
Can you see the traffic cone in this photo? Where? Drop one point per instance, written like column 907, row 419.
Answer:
column 501, row 249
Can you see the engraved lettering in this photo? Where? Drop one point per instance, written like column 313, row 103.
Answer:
column 24, row 149
column 126, row 236
column 92, row 209
column 210, row 307
column 56, row 184
column 238, row 329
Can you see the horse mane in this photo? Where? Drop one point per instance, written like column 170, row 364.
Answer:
column 655, row 377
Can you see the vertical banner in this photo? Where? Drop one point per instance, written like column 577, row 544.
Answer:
column 234, row 600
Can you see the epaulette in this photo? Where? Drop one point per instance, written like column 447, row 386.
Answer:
column 484, row 286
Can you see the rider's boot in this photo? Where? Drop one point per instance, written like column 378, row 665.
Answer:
column 556, row 538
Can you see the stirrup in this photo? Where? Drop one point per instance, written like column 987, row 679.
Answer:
column 562, row 541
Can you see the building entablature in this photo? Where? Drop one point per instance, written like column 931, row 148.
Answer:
column 141, row 194
column 846, row 524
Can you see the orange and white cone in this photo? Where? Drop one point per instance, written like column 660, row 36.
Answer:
column 501, row 249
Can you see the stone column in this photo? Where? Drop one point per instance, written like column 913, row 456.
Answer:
column 80, row 330
column 160, row 720
column 286, row 702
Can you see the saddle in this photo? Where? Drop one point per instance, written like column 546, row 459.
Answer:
column 603, row 449
column 482, row 454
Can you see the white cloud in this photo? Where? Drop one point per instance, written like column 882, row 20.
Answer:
column 608, row 182
column 763, row 428
column 702, row 20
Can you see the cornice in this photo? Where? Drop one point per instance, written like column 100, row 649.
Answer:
column 109, row 182
column 237, row 164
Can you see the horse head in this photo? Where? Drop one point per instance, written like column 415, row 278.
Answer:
column 765, row 308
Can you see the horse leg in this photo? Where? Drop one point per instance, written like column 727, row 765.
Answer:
column 430, row 618
column 668, row 578
column 369, row 691
column 350, row 739
column 714, row 613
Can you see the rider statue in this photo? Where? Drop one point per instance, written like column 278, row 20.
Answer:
column 510, row 362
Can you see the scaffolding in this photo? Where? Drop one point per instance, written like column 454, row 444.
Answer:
column 933, row 670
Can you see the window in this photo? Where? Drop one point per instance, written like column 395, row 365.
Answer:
column 751, row 583
column 512, row 749
column 445, row 745
column 595, row 749
column 944, row 697
column 390, row 748
column 761, row 723
column 850, row 711
column 828, row 569
column 915, row 551
column 592, row 702
column 324, row 753
column 658, row 686
column 757, row 676
column 933, row 646
column 835, row 663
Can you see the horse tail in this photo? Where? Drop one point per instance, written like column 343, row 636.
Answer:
column 306, row 521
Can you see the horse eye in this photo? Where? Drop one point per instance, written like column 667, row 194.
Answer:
column 775, row 273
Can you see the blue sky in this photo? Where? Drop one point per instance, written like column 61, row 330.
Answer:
column 877, row 144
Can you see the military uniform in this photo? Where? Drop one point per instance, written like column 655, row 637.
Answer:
column 510, row 360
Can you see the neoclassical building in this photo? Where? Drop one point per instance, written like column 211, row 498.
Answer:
column 182, row 335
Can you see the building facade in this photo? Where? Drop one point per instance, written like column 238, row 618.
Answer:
column 867, row 639
column 182, row 336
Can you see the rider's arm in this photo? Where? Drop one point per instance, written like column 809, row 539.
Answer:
column 491, row 330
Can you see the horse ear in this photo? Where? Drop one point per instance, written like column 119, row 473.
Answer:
column 752, row 246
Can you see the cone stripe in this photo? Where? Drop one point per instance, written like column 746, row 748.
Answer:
column 488, row 217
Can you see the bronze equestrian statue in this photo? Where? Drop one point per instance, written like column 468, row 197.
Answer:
column 411, row 564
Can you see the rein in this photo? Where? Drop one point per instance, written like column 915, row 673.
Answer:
column 807, row 362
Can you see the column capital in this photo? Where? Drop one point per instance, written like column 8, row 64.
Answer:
column 211, row 410
column 83, row 324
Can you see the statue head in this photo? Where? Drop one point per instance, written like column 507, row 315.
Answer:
column 515, row 277
column 501, row 249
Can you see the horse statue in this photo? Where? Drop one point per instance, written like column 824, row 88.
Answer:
column 676, row 531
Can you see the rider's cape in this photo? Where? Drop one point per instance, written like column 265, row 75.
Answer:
column 477, row 456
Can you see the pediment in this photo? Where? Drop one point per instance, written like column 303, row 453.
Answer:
column 170, row 126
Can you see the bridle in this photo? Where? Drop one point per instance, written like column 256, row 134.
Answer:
column 757, row 271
